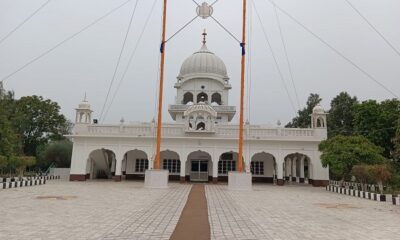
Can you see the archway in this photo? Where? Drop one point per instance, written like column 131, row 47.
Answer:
column 202, row 97
column 187, row 97
column 216, row 98
column 297, row 168
column 136, row 163
column 101, row 164
column 263, row 167
column 199, row 167
column 201, row 126
column 227, row 162
column 170, row 161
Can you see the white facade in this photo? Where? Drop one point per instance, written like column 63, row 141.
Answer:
column 201, row 145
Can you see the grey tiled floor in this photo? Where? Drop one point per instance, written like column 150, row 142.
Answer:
column 298, row 212
column 126, row 210
column 91, row 210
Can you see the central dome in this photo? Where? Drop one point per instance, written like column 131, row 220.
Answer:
column 203, row 61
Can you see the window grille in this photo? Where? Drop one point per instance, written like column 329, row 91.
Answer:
column 257, row 168
column 141, row 165
column 172, row 165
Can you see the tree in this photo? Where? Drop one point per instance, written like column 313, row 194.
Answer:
column 361, row 172
column 10, row 143
column 20, row 163
column 341, row 153
column 377, row 122
column 39, row 121
column 396, row 148
column 381, row 174
column 58, row 152
column 303, row 119
column 341, row 115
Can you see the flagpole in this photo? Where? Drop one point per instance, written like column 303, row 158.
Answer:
column 160, row 94
column 241, row 118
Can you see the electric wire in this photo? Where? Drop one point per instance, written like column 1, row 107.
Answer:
column 184, row 26
column 213, row 3
column 287, row 57
column 64, row 41
column 373, row 27
column 334, row 49
column 196, row 3
column 24, row 21
column 131, row 58
column 226, row 30
column 275, row 60
column 119, row 59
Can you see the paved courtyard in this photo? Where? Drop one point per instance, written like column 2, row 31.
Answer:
column 126, row 210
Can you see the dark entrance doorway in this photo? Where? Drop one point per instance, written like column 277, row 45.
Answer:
column 199, row 171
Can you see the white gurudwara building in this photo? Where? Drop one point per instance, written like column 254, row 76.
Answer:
column 201, row 145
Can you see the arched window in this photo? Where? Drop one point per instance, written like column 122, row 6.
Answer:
column 320, row 122
column 202, row 97
column 187, row 97
column 201, row 126
column 216, row 97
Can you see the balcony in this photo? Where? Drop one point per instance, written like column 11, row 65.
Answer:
column 174, row 130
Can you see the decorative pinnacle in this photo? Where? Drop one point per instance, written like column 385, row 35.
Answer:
column 204, row 36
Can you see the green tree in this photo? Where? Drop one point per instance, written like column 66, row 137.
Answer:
column 377, row 122
column 10, row 143
column 396, row 148
column 341, row 153
column 39, row 121
column 58, row 152
column 303, row 120
column 341, row 115
column 20, row 163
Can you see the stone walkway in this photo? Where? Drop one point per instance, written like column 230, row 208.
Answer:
column 298, row 212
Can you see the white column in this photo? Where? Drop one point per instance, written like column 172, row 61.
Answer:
column 279, row 172
column 302, row 168
column 182, row 174
column 294, row 160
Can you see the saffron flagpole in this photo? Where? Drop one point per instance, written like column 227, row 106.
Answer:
column 241, row 118
column 160, row 94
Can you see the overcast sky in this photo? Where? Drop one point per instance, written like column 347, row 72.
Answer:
column 87, row 62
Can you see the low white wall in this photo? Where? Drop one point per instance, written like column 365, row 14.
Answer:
column 62, row 172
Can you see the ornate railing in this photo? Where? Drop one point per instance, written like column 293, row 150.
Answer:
column 175, row 129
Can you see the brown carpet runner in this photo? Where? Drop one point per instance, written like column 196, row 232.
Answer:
column 193, row 223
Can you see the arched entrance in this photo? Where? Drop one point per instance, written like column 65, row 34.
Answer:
column 297, row 168
column 136, row 163
column 199, row 167
column 101, row 164
column 170, row 161
column 226, row 163
column 263, row 167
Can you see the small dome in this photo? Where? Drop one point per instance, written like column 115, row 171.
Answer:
column 318, row 109
column 200, row 107
column 84, row 105
column 203, row 61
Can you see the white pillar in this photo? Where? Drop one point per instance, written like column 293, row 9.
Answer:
column 294, row 160
column 118, row 169
column 302, row 169
column 279, row 170
column 182, row 174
